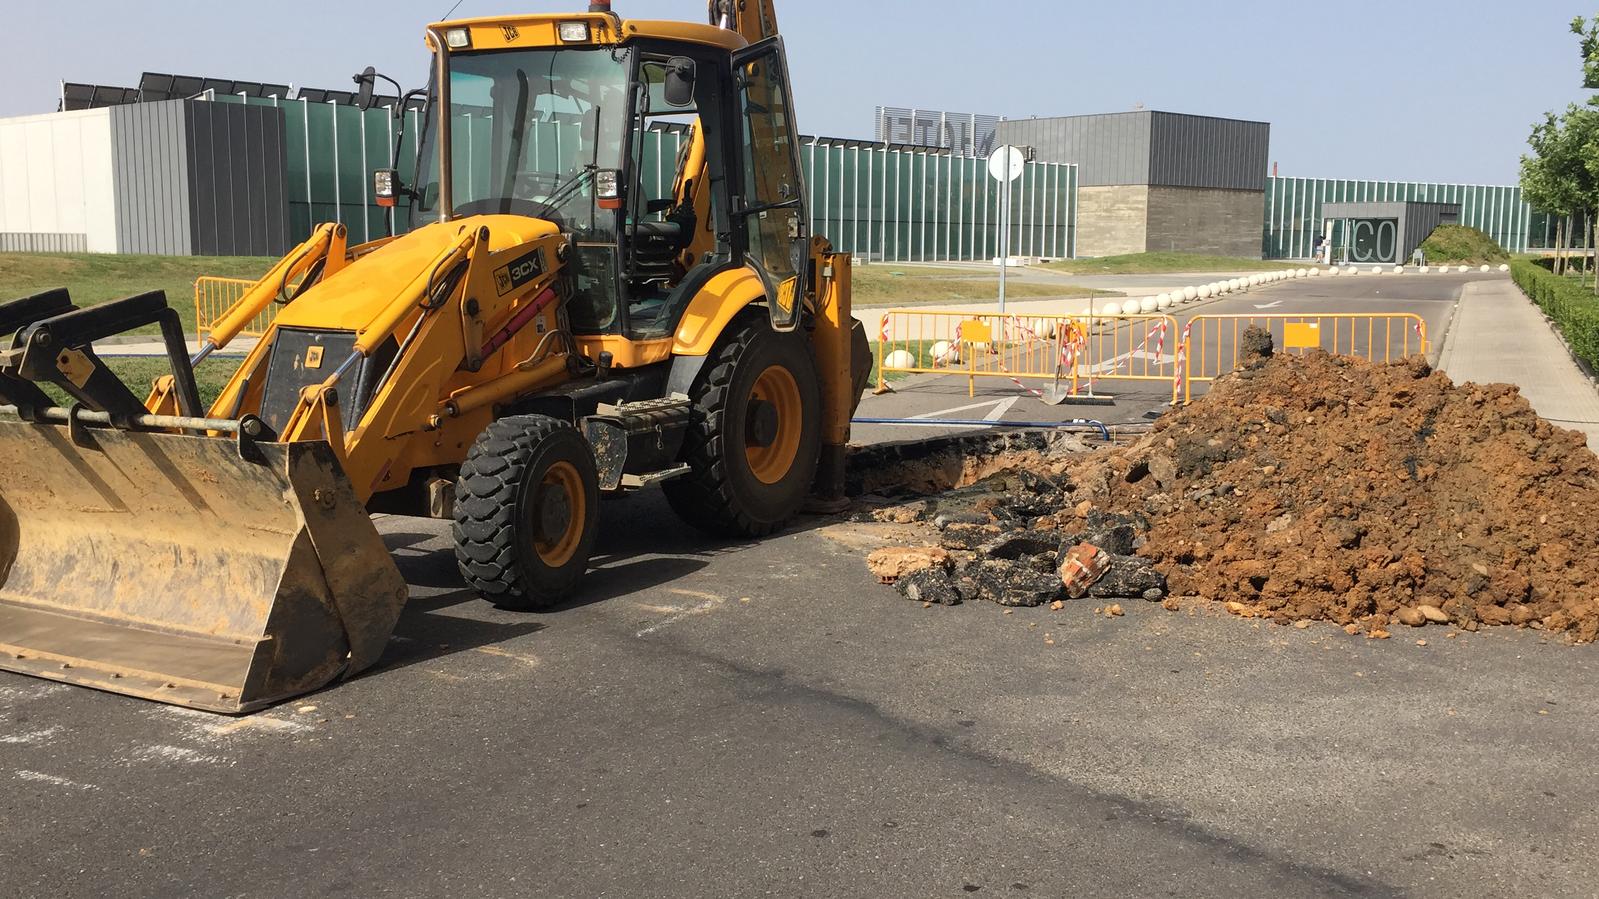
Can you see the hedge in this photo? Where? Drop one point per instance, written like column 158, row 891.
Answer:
column 1573, row 307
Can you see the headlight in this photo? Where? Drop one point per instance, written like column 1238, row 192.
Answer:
column 458, row 38
column 385, row 184
column 573, row 32
column 608, row 189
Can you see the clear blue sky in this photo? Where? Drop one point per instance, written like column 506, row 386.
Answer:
column 1441, row 90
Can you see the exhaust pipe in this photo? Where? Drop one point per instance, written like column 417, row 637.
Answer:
column 600, row 6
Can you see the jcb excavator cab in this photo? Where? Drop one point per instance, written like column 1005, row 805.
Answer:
column 568, row 130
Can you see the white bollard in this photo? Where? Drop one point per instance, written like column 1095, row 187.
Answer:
column 1301, row 273
column 1190, row 294
column 1399, row 270
column 1313, row 272
column 1131, row 307
column 1424, row 269
column 1503, row 267
column 1163, row 301
column 1149, row 304
column 1485, row 268
column 1463, row 269
column 899, row 359
column 944, row 351
column 1204, row 291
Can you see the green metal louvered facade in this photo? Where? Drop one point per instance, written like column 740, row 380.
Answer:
column 1293, row 210
column 893, row 204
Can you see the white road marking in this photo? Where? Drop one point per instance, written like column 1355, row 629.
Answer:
column 205, row 727
column 163, row 753
column 1001, row 409
column 1272, row 305
column 700, row 609
column 33, row 691
column 497, row 652
column 38, row 777
column 32, row 736
column 1110, row 365
column 966, row 408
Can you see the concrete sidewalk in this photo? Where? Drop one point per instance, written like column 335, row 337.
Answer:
column 1499, row 336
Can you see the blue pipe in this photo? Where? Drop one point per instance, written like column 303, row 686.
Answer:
column 985, row 423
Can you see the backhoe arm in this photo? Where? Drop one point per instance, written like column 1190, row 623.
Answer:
column 756, row 20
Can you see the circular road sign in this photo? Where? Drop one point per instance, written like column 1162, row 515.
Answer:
column 1006, row 163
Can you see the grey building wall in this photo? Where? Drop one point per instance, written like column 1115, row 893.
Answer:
column 1203, row 151
column 1110, row 149
column 1163, row 149
column 237, row 173
column 149, row 163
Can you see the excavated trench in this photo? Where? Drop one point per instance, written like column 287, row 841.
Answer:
column 1300, row 488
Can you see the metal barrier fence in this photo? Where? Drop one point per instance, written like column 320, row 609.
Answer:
column 1210, row 344
column 1067, row 350
column 1076, row 354
column 213, row 297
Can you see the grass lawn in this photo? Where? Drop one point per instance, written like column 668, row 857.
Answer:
column 97, row 277
column 883, row 284
column 139, row 371
column 921, row 349
column 1162, row 263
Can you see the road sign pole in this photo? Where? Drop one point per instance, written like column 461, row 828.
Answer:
column 1004, row 242
column 1005, row 165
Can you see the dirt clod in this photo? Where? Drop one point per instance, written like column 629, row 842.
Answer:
column 894, row 562
column 1411, row 617
column 1433, row 614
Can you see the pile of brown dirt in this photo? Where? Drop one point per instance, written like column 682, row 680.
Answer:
column 1322, row 487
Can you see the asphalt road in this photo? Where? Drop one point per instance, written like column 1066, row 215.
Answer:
column 765, row 720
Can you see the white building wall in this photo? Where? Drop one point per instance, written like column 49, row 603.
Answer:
column 56, row 188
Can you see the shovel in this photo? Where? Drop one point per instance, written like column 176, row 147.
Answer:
column 1060, row 394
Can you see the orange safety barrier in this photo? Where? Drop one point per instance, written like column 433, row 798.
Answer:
column 213, row 297
column 1062, row 348
column 1209, row 346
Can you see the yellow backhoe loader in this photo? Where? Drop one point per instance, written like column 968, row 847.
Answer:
column 545, row 334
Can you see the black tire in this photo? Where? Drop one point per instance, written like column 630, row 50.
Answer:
column 724, row 495
column 519, row 468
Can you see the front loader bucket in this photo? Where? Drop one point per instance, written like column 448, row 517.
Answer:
column 210, row 572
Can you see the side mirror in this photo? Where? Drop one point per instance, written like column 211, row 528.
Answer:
column 680, row 82
column 365, row 83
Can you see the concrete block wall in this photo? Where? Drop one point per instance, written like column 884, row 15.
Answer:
column 1112, row 220
column 1205, row 220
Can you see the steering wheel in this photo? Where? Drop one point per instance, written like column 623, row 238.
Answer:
column 535, row 184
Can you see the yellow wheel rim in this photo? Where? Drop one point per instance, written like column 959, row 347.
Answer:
column 561, row 478
column 771, row 463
